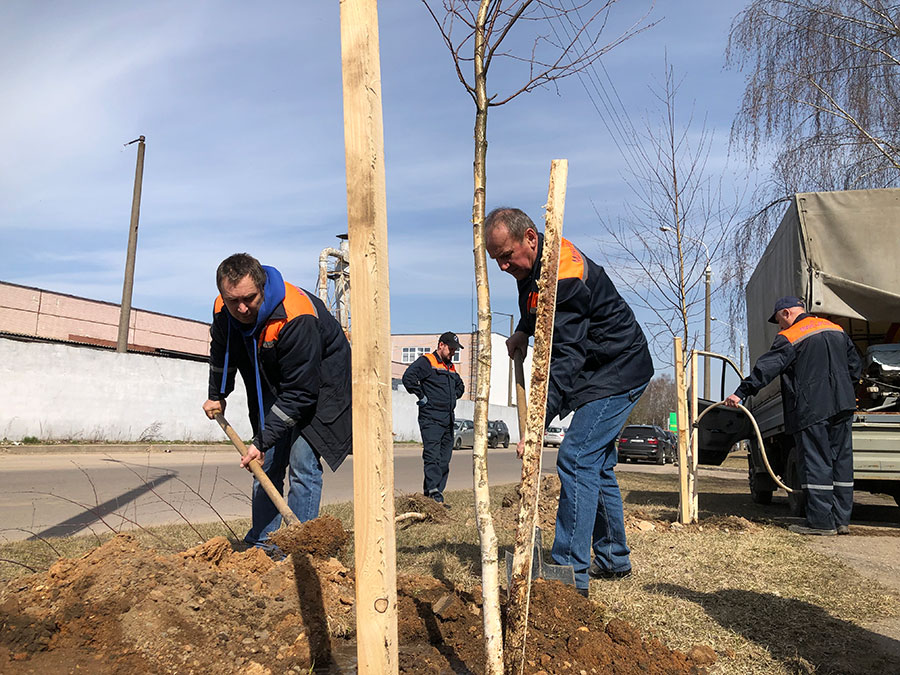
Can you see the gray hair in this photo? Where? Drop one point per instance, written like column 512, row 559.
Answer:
column 516, row 222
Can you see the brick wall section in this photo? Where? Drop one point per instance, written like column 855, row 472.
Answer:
column 44, row 314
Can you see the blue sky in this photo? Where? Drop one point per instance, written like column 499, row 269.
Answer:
column 241, row 106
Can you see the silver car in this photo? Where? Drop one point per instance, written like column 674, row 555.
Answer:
column 554, row 436
column 463, row 434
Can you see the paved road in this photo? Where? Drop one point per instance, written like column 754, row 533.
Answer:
column 75, row 493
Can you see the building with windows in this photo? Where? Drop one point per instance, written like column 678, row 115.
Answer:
column 407, row 347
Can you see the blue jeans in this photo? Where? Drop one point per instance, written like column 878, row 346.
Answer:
column 590, row 503
column 304, row 489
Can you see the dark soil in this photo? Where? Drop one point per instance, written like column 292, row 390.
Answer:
column 125, row 609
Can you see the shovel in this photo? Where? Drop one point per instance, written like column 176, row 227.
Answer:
column 258, row 473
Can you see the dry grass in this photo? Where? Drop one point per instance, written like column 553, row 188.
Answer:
column 757, row 595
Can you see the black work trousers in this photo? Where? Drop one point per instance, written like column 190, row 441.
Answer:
column 825, row 460
column 437, row 448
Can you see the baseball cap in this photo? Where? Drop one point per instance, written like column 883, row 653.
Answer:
column 449, row 338
column 786, row 302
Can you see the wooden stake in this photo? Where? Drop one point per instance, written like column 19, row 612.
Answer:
column 520, row 582
column 695, row 441
column 684, row 502
column 373, row 467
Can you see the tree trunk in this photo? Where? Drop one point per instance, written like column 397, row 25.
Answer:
column 490, row 570
column 520, row 582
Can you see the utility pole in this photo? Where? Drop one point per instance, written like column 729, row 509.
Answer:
column 706, row 339
column 128, row 286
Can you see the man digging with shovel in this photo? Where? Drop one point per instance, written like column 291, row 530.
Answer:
column 295, row 363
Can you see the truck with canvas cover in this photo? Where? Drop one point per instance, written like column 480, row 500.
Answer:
column 840, row 253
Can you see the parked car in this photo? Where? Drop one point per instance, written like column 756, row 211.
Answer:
column 673, row 442
column 554, row 436
column 498, row 434
column 646, row 442
column 463, row 434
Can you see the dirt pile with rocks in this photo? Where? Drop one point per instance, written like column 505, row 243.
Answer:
column 123, row 608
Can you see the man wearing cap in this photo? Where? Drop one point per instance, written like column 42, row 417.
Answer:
column 434, row 381
column 599, row 367
column 818, row 365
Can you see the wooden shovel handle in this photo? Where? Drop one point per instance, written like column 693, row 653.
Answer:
column 521, row 403
column 258, row 472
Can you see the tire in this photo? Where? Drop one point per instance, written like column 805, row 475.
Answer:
column 796, row 499
column 758, row 495
column 492, row 444
column 662, row 460
column 458, row 444
column 506, row 442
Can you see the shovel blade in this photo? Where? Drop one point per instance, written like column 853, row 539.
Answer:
column 539, row 568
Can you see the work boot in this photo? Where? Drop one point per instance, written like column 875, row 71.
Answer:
column 803, row 529
column 439, row 498
column 843, row 529
column 597, row 572
column 582, row 591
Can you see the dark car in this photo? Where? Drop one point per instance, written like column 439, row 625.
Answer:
column 498, row 434
column 645, row 442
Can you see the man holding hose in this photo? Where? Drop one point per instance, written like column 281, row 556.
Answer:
column 818, row 364
column 295, row 363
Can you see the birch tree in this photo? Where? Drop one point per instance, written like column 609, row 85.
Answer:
column 556, row 40
column 676, row 217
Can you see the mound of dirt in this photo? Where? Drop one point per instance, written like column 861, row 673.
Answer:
column 123, row 609
column 418, row 503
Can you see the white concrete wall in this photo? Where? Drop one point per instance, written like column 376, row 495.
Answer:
column 65, row 392
column 61, row 392
column 406, row 416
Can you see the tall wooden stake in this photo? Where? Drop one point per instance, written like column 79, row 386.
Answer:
column 128, row 285
column 520, row 582
column 695, row 441
column 684, row 502
column 373, row 467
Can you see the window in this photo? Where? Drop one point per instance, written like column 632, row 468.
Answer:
column 410, row 354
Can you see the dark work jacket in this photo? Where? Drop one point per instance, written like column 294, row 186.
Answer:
column 428, row 377
column 818, row 364
column 599, row 349
column 295, row 364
